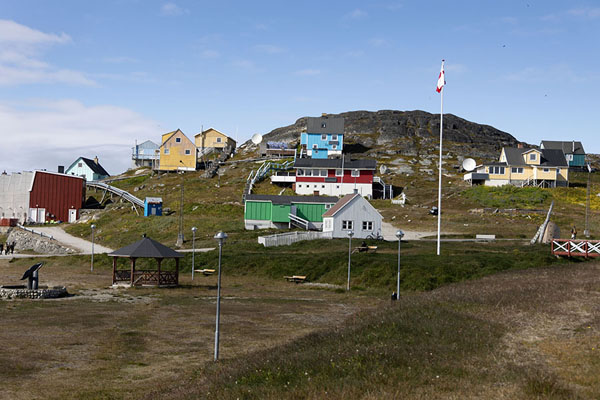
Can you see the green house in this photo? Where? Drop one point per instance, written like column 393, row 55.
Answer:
column 573, row 150
column 269, row 211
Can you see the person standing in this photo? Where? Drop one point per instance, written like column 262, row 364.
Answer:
column 573, row 232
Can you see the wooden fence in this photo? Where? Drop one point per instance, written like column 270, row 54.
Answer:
column 285, row 239
column 576, row 248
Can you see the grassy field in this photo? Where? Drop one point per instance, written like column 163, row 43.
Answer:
column 528, row 332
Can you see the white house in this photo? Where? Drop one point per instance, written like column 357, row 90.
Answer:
column 91, row 170
column 352, row 213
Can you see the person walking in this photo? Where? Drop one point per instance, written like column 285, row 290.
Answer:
column 573, row 232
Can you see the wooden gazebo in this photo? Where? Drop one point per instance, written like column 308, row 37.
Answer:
column 145, row 248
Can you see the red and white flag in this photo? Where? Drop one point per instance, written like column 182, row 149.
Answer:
column 441, row 79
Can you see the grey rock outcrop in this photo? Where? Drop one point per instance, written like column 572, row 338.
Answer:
column 28, row 241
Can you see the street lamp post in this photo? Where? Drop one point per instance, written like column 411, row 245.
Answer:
column 220, row 237
column 194, row 229
column 350, row 234
column 399, row 235
column 180, row 237
column 93, row 227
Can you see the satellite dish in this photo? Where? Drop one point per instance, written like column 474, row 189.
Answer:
column 469, row 164
column 256, row 138
column 383, row 169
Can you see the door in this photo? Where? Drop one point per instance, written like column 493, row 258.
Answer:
column 33, row 214
column 41, row 218
column 72, row 215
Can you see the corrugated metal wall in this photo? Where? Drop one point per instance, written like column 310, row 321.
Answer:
column 258, row 210
column 310, row 212
column 57, row 194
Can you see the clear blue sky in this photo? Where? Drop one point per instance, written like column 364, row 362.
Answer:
column 90, row 77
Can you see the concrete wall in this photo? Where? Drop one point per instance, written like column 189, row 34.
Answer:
column 14, row 195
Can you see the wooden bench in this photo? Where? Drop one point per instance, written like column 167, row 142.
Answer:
column 364, row 249
column 296, row 278
column 372, row 248
column 205, row 271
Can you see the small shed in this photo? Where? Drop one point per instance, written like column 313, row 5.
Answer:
column 153, row 206
column 145, row 248
column 353, row 213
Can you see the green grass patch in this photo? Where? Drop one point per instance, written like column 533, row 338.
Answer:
column 507, row 196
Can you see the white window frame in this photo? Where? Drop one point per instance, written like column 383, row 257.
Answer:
column 324, row 136
column 334, row 137
column 367, row 225
column 533, row 157
column 347, row 225
column 177, row 140
column 339, row 172
column 166, row 152
column 497, row 170
column 516, row 170
column 324, row 172
column 219, row 140
column 546, row 169
column 355, row 173
column 300, row 172
column 315, row 146
column 188, row 152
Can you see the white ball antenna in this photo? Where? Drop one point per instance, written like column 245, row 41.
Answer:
column 469, row 164
column 383, row 169
column 256, row 138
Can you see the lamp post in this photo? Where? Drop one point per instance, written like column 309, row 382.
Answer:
column 399, row 235
column 586, row 231
column 220, row 237
column 350, row 234
column 93, row 226
column 180, row 234
column 194, row 229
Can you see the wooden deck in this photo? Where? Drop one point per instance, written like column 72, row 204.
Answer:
column 576, row 248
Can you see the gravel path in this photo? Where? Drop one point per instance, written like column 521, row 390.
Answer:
column 81, row 245
column 389, row 233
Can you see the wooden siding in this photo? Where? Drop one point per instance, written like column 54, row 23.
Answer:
column 170, row 162
column 57, row 193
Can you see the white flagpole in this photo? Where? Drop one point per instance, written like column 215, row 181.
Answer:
column 440, row 168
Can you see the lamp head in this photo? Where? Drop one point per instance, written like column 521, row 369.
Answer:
column 399, row 234
column 93, row 226
column 351, row 233
column 194, row 229
column 221, row 236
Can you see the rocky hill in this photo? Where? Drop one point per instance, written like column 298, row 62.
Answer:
column 408, row 133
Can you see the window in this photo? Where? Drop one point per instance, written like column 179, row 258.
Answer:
column 497, row 170
column 80, row 165
column 334, row 146
column 315, row 186
column 334, row 137
column 569, row 157
column 323, row 125
column 219, row 140
column 347, row 225
column 300, row 172
column 299, row 185
column 367, row 225
column 337, row 186
column 558, row 170
column 339, row 172
column 166, row 151
column 323, row 172
column 315, row 146
column 323, row 137
column 307, row 172
column 532, row 157
column 328, row 206
column 188, row 152
column 355, row 173
column 322, row 186
column 517, row 170
column 178, row 140
column 546, row 169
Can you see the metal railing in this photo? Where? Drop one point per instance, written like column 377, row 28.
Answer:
column 298, row 221
column 285, row 239
column 576, row 248
column 119, row 192
column 42, row 234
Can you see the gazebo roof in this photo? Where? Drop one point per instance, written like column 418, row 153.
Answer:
column 146, row 248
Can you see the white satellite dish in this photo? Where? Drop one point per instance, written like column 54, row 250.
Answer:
column 256, row 138
column 469, row 164
column 383, row 169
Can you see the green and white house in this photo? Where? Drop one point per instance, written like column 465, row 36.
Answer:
column 573, row 150
column 280, row 212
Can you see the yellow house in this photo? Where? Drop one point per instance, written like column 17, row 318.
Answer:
column 211, row 139
column 177, row 152
column 523, row 167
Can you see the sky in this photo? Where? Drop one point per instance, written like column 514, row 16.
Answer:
column 89, row 78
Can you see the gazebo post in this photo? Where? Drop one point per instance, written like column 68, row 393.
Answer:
column 132, row 269
column 177, row 271
column 114, row 270
column 158, row 260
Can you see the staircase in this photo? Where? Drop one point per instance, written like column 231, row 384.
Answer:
column 298, row 222
column 262, row 172
column 387, row 190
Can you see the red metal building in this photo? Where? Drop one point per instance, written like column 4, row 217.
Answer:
column 60, row 196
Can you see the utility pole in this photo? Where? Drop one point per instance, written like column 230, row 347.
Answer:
column 180, row 235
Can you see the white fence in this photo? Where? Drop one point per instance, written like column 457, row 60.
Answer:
column 285, row 239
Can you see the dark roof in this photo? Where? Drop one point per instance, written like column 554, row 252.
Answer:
column 335, row 163
column 146, row 248
column 566, row 147
column 340, row 204
column 550, row 157
column 291, row 199
column 97, row 168
column 325, row 125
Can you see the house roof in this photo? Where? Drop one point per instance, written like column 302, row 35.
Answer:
column 340, row 204
column 325, row 125
column 285, row 200
column 566, row 147
column 213, row 129
column 550, row 157
column 96, row 168
column 148, row 144
column 335, row 163
column 146, row 248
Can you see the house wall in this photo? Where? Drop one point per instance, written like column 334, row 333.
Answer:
column 322, row 143
column 526, row 158
column 550, row 175
column 280, row 213
column 258, row 210
column 358, row 210
column 176, row 152
column 331, row 185
column 578, row 160
column 57, row 193
column 310, row 212
column 14, row 195
column 80, row 168
column 209, row 138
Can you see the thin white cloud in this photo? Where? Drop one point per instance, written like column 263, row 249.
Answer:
column 120, row 60
column 269, row 48
column 210, row 54
column 172, row 10
column 355, row 53
column 509, row 20
column 21, row 49
column 356, row 14
column 455, row 68
column 69, row 129
column 552, row 73
column 244, row 64
column 378, row 42
column 585, row 12
column 308, row 72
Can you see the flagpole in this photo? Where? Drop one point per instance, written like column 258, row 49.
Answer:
column 439, row 225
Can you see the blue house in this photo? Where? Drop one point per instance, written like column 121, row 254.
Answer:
column 573, row 150
column 91, row 170
column 146, row 154
column 153, row 206
column 324, row 137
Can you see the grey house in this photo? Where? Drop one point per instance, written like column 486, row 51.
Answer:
column 352, row 213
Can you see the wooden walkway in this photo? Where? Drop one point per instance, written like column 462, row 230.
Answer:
column 576, row 248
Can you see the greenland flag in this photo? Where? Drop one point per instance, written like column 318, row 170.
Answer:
column 441, row 79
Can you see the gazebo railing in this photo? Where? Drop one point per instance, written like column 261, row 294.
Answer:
column 146, row 277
